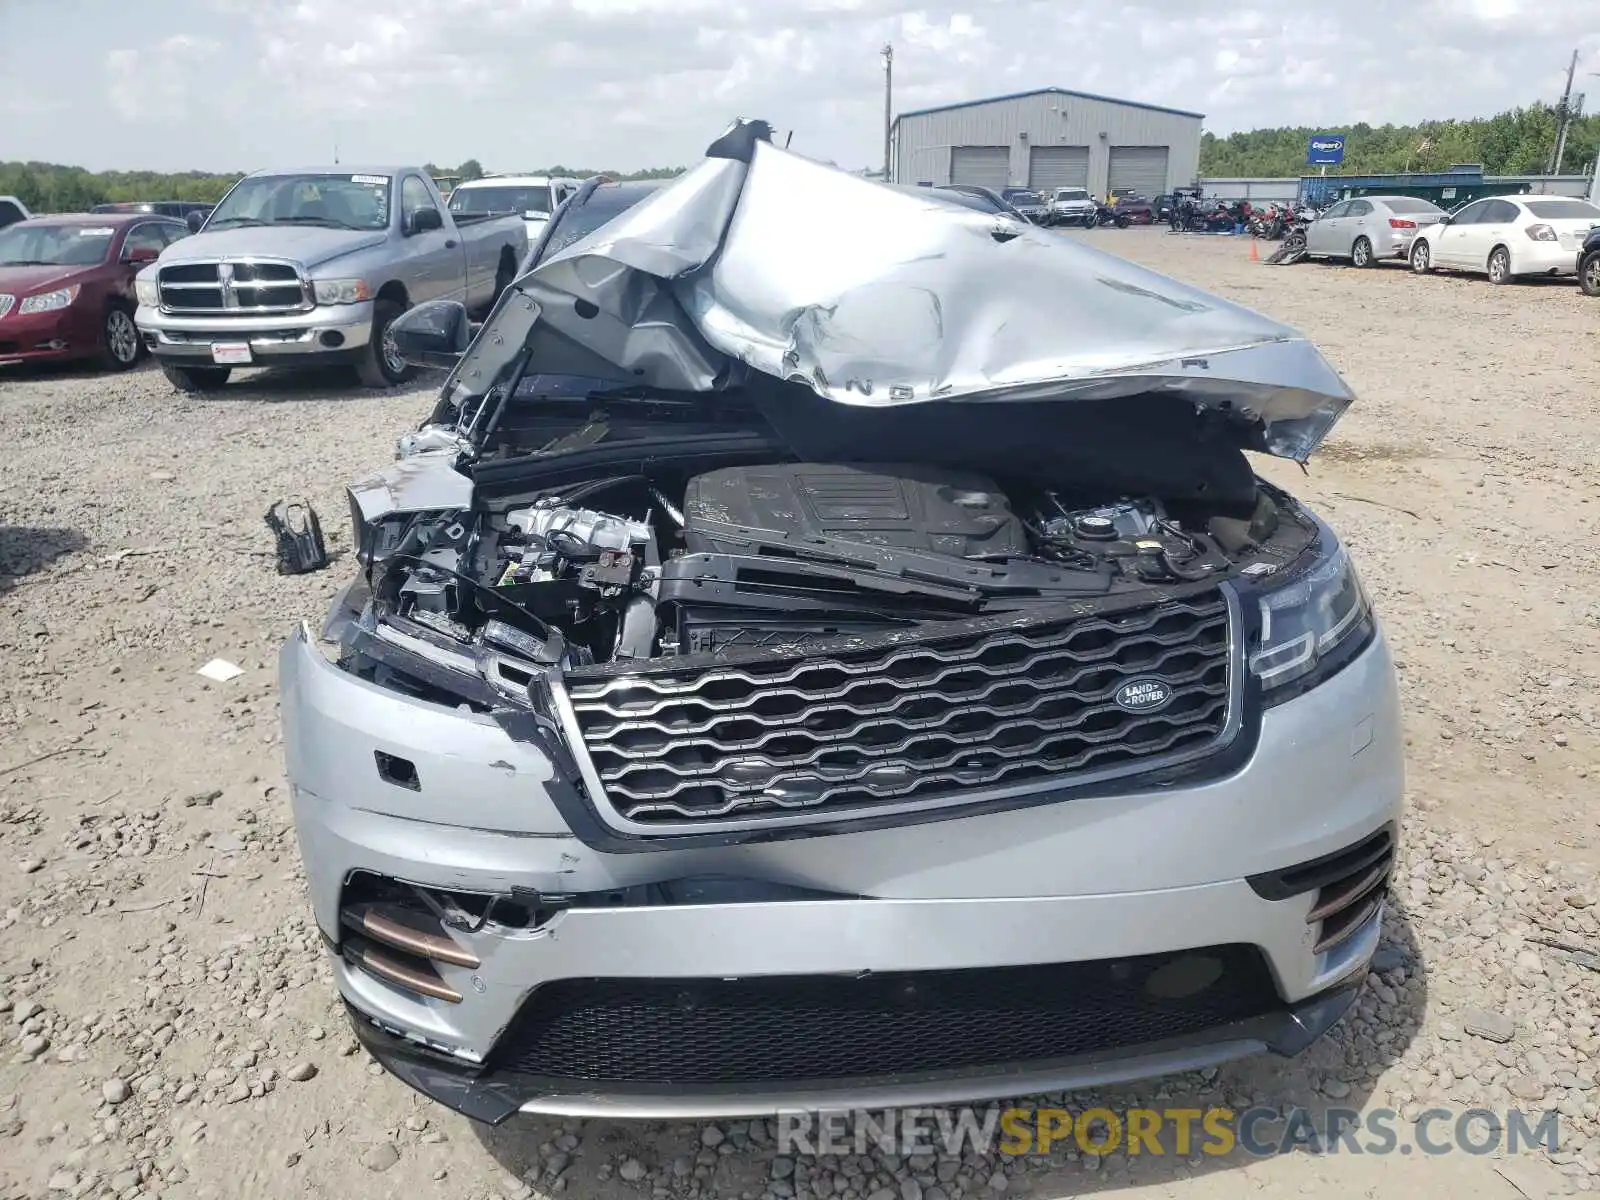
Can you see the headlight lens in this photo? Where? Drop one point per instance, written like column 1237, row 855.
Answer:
column 1311, row 626
column 148, row 292
column 49, row 301
column 342, row 291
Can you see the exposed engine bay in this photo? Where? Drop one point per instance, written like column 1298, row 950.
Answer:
column 779, row 556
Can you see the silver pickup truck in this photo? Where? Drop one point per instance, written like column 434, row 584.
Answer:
column 309, row 267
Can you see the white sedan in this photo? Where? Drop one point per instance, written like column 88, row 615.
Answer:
column 1507, row 236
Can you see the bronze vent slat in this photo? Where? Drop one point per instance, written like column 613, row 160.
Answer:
column 420, row 979
column 403, row 931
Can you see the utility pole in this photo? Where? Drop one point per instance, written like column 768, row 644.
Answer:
column 1594, row 179
column 1575, row 110
column 1563, row 116
column 888, row 106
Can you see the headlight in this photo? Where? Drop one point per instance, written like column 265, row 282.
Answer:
column 148, row 292
column 1311, row 627
column 342, row 291
column 49, row 301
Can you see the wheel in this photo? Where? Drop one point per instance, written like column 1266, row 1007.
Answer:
column 1589, row 273
column 195, row 379
column 1499, row 265
column 1361, row 253
column 1091, row 220
column 1124, row 220
column 380, row 364
column 1421, row 257
column 119, row 339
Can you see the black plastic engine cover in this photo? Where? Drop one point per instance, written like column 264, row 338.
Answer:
column 959, row 513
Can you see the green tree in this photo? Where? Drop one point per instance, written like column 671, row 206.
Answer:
column 1518, row 142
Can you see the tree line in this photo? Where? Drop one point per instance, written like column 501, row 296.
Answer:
column 1517, row 142
column 51, row 187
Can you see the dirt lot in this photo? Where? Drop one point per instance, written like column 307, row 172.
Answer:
column 170, row 1028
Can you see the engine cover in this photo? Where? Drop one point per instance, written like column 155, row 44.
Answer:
column 949, row 512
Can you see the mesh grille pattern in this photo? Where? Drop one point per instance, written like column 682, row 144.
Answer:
column 906, row 720
column 826, row 1027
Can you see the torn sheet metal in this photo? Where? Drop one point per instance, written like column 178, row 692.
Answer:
column 871, row 296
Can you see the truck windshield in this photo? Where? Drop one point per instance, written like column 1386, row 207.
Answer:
column 54, row 245
column 333, row 201
column 534, row 199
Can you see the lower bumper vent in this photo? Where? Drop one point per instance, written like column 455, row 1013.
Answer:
column 834, row 1027
column 1349, row 884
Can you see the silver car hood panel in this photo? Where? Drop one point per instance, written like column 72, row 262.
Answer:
column 873, row 297
column 308, row 245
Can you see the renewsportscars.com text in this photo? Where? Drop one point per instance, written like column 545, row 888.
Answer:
column 1178, row 1132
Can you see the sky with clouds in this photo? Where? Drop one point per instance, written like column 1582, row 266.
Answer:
column 244, row 84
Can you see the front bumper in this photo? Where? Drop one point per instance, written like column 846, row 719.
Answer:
column 63, row 334
column 1094, row 879
column 329, row 333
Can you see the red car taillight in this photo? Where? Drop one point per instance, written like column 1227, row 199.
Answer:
column 1399, row 223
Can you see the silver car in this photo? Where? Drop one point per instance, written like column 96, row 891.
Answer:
column 1369, row 229
column 810, row 658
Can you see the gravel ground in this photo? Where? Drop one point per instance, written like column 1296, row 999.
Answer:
column 170, row 1029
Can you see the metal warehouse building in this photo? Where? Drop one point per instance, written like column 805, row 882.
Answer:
column 1049, row 138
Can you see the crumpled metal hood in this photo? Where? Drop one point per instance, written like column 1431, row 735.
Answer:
column 874, row 297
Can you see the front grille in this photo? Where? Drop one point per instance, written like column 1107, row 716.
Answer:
column 910, row 718
column 6, row 301
column 250, row 287
column 839, row 1027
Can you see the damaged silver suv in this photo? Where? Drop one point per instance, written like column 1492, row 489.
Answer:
column 823, row 650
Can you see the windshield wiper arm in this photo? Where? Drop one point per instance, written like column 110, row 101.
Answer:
column 329, row 222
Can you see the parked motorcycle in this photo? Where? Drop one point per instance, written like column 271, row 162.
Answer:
column 1107, row 214
column 1272, row 222
column 1192, row 214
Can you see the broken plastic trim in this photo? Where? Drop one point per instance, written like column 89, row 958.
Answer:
column 298, row 534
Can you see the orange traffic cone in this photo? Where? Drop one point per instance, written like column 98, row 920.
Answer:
column 1255, row 255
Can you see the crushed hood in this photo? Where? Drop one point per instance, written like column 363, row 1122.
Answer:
column 874, row 298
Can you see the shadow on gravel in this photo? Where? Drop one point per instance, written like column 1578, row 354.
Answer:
column 72, row 369
column 1291, row 1101
column 266, row 385
column 24, row 551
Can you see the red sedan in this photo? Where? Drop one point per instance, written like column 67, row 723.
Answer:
column 66, row 285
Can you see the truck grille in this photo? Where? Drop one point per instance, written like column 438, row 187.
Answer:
column 909, row 718
column 813, row 1028
column 251, row 287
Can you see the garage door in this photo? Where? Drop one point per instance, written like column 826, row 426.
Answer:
column 1141, row 169
column 1058, row 166
column 986, row 166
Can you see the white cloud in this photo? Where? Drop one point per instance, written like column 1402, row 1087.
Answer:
column 152, row 84
column 628, row 83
